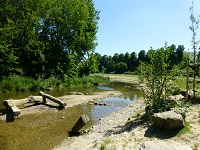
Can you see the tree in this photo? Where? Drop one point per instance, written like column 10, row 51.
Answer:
column 98, row 57
column 89, row 65
column 193, row 28
column 179, row 53
column 104, row 62
column 120, row 67
column 127, row 58
column 157, row 78
column 110, row 65
column 133, row 64
column 142, row 56
column 116, row 58
column 121, row 57
column 45, row 33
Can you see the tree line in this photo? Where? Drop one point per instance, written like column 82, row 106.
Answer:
column 58, row 38
column 129, row 62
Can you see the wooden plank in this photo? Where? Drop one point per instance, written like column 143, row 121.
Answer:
column 54, row 99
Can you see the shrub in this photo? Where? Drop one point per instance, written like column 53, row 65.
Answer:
column 157, row 77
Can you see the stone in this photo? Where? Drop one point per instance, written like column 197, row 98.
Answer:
column 168, row 120
column 163, row 145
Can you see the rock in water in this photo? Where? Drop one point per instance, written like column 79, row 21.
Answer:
column 168, row 120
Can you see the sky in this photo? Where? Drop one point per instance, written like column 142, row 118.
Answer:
column 135, row 25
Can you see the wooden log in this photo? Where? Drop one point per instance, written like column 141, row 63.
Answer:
column 30, row 99
column 79, row 124
column 56, row 100
column 15, row 110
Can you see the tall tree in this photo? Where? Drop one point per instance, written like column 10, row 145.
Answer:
column 142, row 56
column 45, row 33
column 133, row 61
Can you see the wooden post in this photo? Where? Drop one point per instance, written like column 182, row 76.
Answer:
column 56, row 100
column 187, row 80
column 79, row 124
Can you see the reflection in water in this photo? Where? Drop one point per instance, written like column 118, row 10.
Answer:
column 105, row 88
column 113, row 104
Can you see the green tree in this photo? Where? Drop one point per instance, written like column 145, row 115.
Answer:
column 116, row 58
column 89, row 65
column 133, row 64
column 142, row 56
column 110, row 65
column 43, row 34
column 120, row 67
column 121, row 57
column 157, row 77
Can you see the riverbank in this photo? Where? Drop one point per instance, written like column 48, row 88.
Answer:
column 114, row 132
column 125, row 129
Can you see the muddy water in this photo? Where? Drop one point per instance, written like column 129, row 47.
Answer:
column 46, row 130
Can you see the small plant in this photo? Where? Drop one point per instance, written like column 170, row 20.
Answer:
column 182, row 108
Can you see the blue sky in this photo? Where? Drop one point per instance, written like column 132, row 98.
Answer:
column 134, row 25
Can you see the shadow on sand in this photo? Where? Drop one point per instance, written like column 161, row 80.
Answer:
column 152, row 131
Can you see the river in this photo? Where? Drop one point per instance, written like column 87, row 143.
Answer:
column 46, row 130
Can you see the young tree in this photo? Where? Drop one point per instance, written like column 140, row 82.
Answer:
column 193, row 28
column 157, row 77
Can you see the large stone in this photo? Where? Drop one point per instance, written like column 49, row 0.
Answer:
column 163, row 145
column 168, row 120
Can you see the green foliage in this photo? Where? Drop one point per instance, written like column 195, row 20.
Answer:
column 88, row 65
column 16, row 83
column 186, row 128
column 121, row 67
column 43, row 38
column 85, row 81
column 157, row 77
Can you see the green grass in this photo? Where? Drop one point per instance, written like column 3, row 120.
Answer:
column 16, row 83
column 186, row 129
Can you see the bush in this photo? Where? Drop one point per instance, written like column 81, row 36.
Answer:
column 157, row 77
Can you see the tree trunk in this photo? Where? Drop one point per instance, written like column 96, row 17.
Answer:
column 56, row 100
column 30, row 99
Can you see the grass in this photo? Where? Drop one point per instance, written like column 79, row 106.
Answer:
column 16, row 83
column 186, row 129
